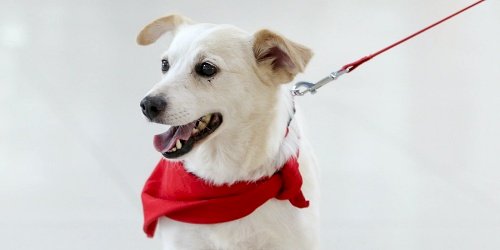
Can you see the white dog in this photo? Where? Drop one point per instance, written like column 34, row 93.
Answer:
column 233, row 123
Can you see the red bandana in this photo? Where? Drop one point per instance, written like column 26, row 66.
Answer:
column 173, row 192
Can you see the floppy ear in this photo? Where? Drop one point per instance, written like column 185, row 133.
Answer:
column 278, row 58
column 158, row 27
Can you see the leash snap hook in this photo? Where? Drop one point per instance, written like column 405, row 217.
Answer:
column 301, row 88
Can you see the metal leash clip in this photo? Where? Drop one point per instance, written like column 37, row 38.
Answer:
column 301, row 88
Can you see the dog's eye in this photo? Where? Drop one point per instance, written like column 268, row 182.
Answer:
column 206, row 69
column 164, row 66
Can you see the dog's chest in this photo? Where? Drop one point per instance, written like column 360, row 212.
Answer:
column 275, row 225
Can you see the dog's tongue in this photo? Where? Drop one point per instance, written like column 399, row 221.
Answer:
column 166, row 141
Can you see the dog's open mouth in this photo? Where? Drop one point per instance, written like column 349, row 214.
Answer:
column 179, row 140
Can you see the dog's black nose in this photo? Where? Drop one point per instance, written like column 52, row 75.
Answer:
column 152, row 106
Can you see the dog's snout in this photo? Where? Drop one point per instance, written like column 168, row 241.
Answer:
column 152, row 106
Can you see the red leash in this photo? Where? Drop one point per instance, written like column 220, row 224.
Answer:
column 310, row 87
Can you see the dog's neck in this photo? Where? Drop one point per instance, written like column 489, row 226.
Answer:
column 252, row 150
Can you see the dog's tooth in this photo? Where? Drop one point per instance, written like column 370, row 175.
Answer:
column 195, row 131
column 173, row 149
column 201, row 125
column 178, row 144
column 206, row 118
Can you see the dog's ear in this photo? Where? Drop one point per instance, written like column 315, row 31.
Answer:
column 278, row 58
column 158, row 27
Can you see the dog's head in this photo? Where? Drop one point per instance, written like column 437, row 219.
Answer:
column 215, row 77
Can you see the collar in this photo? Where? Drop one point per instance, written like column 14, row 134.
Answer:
column 173, row 192
column 290, row 118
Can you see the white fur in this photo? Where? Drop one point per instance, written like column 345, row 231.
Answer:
column 249, row 144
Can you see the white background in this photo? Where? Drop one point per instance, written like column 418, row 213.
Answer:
column 408, row 143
